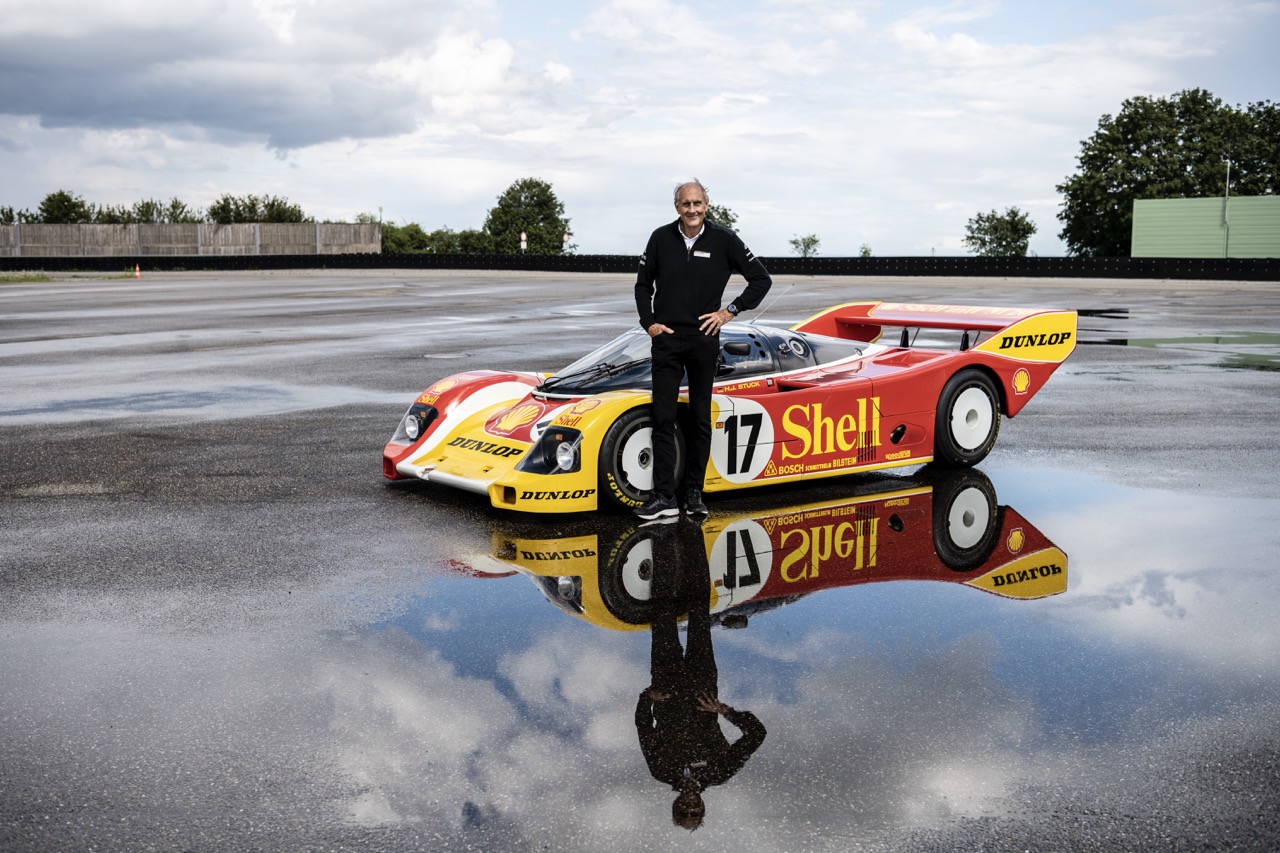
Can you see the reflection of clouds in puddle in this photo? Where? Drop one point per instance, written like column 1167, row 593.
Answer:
column 883, row 748
column 430, row 747
column 1176, row 573
column 408, row 730
column 588, row 696
column 859, row 748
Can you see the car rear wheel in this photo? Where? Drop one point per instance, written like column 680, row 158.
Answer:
column 626, row 460
column 968, row 418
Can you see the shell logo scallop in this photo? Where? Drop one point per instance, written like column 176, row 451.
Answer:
column 518, row 417
column 433, row 393
column 1016, row 540
column 582, row 407
column 442, row 386
column 1021, row 380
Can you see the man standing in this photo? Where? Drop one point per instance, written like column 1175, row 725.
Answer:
column 679, row 287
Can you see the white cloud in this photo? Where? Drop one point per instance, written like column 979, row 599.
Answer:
column 557, row 72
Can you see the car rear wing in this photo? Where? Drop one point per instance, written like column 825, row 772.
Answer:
column 1051, row 334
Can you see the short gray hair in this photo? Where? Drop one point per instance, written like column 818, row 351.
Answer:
column 694, row 183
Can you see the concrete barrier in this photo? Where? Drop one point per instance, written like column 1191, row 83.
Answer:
column 208, row 239
column 52, row 241
column 241, row 239
column 168, row 239
column 337, row 238
column 108, row 240
column 275, row 238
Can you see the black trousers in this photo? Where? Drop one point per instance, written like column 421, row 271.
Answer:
column 674, row 356
column 680, row 585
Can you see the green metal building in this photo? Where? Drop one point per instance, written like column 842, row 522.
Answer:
column 1239, row 227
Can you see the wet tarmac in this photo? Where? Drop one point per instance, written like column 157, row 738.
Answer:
column 221, row 629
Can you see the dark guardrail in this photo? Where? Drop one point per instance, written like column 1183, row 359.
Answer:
column 1231, row 269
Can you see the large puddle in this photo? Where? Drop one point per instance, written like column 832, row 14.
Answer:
column 894, row 656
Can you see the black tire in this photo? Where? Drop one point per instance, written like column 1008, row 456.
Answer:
column 968, row 418
column 626, row 576
column 966, row 520
column 626, row 460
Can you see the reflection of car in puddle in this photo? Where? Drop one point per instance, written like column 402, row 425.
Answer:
column 934, row 526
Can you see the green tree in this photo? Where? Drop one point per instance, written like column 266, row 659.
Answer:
column 806, row 246
column 864, row 251
column 117, row 215
column 403, row 239
column 530, row 206
column 471, row 241
column 997, row 235
column 721, row 215
column 1175, row 147
column 229, row 209
column 412, row 239
column 64, row 208
column 1255, row 167
column 10, row 216
column 173, row 212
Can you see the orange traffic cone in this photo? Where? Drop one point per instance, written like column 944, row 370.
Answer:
column 137, row 271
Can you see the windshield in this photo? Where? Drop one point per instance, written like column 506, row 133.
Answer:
column 624, row 362
column 621, row 363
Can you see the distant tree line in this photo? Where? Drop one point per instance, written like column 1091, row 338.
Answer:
column 63, row 207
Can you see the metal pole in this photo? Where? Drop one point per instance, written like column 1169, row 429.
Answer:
column 1226, row 214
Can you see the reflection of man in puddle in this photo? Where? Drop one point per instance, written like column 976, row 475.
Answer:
column 677, row 716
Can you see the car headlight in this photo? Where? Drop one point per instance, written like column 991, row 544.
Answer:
column 557, row 451
column 414, row 423
column 566, row 456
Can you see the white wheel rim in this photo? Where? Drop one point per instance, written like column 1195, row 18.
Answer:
column 637, row 571
column 971, row 418
column 967, row 518
column 635, row 462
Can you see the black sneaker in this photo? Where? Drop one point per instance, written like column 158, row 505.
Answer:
column 693, row 504
column 658, row 507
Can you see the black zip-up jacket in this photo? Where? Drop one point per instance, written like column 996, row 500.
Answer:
column 682, row 737
column 675, row 285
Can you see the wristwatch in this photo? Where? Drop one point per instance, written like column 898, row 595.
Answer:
column 732, row 309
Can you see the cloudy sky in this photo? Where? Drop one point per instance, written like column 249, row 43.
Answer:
column 888, row 124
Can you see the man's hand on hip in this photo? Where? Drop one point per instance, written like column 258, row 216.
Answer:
column 712, row 322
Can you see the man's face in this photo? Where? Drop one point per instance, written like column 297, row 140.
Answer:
column 691, row 204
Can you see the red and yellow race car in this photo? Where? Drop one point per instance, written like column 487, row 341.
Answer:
column 857, row 387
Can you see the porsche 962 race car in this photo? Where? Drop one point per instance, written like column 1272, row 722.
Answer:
column 857, row 387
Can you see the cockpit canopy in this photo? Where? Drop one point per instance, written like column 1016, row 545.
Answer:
column 745, row 351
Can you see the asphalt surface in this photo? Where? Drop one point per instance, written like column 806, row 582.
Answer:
column 221, row 629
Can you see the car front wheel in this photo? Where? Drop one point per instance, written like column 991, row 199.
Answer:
column 626, row 460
